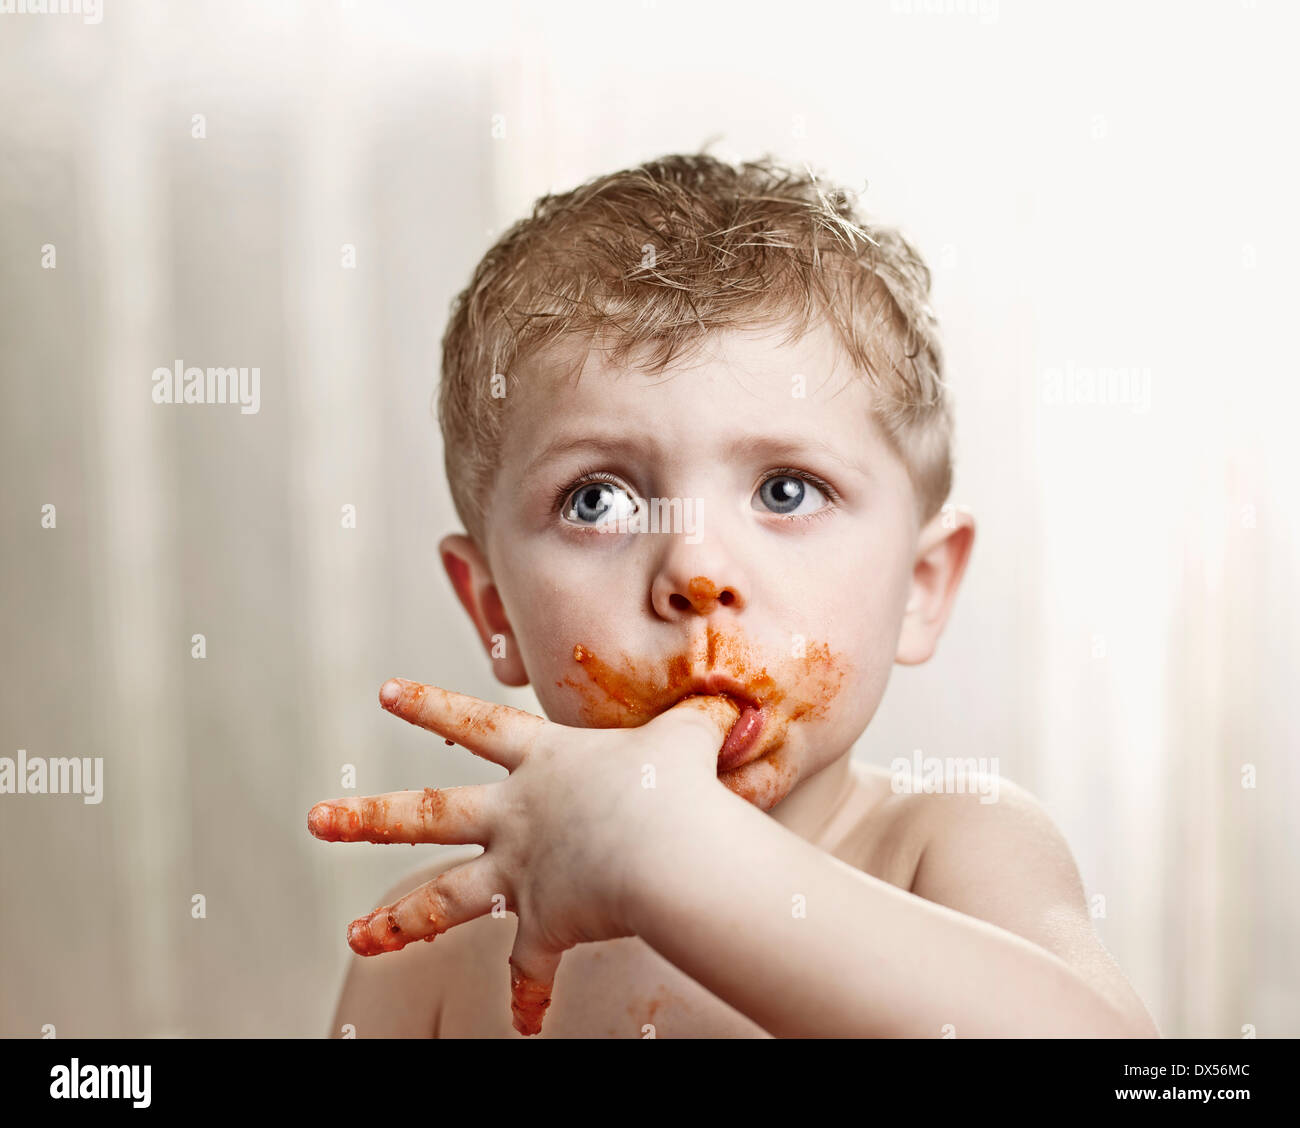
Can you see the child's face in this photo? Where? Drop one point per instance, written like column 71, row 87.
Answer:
column 791, row 595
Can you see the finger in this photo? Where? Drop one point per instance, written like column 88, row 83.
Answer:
column 448, row 816
column 713, row 716
column 532, row 975
column 494, row 732
column 451, row 898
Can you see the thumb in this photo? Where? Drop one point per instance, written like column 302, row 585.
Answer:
column 713, row 717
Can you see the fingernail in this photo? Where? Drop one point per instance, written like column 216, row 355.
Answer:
column 361, row 937
column 390, row 693
column 320, row 819
column 529, row 999
column 359, row 940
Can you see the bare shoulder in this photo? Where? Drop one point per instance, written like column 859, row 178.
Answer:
column 985, row 824
column 877, row 829
column 400, row 994
column 992, row 851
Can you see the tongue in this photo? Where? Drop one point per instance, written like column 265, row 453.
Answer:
column 740, row 739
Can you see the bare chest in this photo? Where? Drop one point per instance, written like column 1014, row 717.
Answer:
column 624, row 988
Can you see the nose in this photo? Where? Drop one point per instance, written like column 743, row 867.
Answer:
column 691, row 586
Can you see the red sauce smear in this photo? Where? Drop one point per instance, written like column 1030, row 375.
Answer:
column 362, row 937
column 529, row 999
column 625, row 692
column 406, row 700
column 332, row 823
column 371, row 820
column 433, row 805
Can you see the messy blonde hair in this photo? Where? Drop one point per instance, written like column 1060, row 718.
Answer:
column 661, row 254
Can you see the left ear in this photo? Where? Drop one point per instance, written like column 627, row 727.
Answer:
column 943, row 549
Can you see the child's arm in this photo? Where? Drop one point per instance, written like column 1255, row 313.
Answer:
column 806, row 945
column 583, row 845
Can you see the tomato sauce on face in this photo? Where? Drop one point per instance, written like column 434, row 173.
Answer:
column 624, row 691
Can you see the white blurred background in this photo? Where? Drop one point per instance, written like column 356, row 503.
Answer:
column 1096, row 186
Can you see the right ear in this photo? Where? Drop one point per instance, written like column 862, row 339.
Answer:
column 472, row 579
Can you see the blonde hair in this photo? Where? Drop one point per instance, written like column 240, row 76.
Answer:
column 661, row 254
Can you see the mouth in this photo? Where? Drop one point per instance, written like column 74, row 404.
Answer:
column 757, row 760
column 742, row 740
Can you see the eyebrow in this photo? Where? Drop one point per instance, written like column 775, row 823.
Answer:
column 597, row 443
column 790, row 447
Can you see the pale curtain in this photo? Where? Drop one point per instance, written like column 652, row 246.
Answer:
column 1097, row 186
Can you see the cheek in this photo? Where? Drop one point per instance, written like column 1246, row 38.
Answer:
column 863, row 623
column 868, row 607
column 549, row 601
column 553, row 620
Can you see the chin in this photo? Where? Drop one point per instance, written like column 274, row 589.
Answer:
column 765, row 780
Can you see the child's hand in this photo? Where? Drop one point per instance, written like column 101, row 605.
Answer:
column 560, row 833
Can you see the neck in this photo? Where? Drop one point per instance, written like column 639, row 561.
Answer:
column 809, row 809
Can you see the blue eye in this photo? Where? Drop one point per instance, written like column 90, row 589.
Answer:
column 595, row 503
column 786, row 495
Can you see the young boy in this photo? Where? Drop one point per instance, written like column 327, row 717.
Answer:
column 697, row 431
